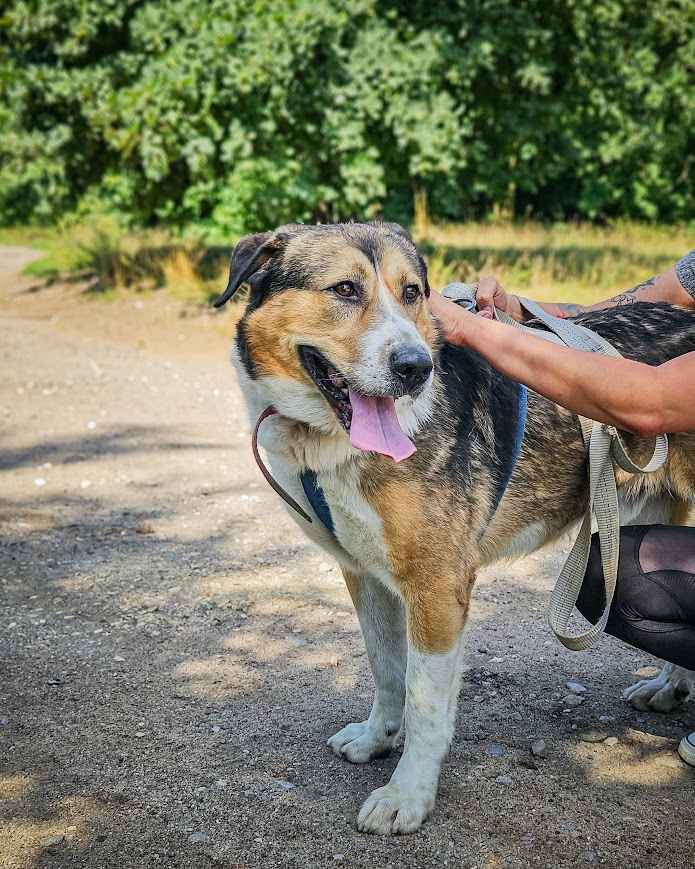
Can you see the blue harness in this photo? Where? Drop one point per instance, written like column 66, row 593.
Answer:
column 317, row 499
column 522, row 410
column 319, row 505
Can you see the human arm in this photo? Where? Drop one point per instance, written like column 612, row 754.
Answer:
column 596, row 386
column 675, row 286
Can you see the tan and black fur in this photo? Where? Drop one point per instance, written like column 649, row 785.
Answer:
column 411, row 536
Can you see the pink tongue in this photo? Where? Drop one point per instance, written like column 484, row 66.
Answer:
column 375, row 427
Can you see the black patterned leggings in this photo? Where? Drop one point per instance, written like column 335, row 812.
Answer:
column 654, row 604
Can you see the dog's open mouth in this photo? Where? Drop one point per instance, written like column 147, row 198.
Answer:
column 331, row 383
column 370, row 420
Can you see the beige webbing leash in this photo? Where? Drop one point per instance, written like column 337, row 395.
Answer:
column 604, row 446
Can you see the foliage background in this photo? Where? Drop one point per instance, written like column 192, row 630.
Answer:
column 233, row 115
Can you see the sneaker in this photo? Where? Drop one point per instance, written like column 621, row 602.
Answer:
column 686, row 749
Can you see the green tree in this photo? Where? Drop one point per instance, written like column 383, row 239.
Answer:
column 241, row 114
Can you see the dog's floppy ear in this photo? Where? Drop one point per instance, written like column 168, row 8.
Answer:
column 424, row 269
column 395, row 228
column 249, row 256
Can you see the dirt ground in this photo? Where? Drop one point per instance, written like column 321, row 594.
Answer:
column 175, row 654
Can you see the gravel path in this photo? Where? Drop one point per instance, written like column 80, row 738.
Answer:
column 175, row 654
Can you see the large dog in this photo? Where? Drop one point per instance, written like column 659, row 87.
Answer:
column 420, row 469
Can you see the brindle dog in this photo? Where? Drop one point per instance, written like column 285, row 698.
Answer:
column 336, row 336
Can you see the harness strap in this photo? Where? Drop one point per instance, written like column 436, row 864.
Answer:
column 522, row 408
column 317, row 499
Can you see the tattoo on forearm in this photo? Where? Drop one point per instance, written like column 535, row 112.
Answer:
column 624, row 299
column 628, row 297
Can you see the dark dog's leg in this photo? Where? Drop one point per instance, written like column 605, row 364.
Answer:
column 382, row 619
column 435, row 623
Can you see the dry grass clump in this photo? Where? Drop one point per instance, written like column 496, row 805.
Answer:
column 581, row 262
column 111, row 259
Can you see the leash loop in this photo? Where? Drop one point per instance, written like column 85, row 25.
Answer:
column 604, row 446
column 272, row 482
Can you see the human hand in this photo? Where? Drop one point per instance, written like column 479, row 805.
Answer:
column 490, row 295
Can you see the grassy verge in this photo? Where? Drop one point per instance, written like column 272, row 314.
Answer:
column 564, row 262
column 580, row 262
column 110, row 259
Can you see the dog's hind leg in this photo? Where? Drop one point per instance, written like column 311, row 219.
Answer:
column 382, row 619
column 665, row 692
column 662, row 509
column 435, row 625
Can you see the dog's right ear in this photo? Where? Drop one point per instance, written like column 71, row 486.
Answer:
column 248, row 258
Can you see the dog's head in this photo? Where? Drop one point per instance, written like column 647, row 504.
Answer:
column 336, row 331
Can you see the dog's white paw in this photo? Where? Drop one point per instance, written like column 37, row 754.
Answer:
column 360, row 743
column 663, row 693
column 390, row 810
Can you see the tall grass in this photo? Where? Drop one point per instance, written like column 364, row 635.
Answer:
column 560, row 261
column 111, row 259
column 564, row 261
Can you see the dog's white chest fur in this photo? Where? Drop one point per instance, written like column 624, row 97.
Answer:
column 358, row 542
column 357, row 527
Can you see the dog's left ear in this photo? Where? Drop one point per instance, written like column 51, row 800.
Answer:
column 423, row 265
column 248, row 257
column 395, row 228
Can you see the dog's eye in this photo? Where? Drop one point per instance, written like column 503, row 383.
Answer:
column 346, row 290
column 411, row 294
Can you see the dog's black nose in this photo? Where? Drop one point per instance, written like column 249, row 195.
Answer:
column 411, row 365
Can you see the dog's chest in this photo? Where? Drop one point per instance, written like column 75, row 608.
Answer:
column 358, row 527
column 357, row 540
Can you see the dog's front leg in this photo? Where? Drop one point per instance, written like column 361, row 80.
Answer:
column 435, row 624
column 382, row 620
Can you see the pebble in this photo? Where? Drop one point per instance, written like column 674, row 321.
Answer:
column 198, row 838
column 504, row 780
column 575, row 687
column 118, row 659
column 611, row 741
column 570, row 701
column 494, row 749
column 52, row 841
column 539, row 748
column 592, row 736
column 39, row 481
column 339, row 858
column 285, row 785
column 91, row 425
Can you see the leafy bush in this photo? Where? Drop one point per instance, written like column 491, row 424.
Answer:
column 235, row 115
